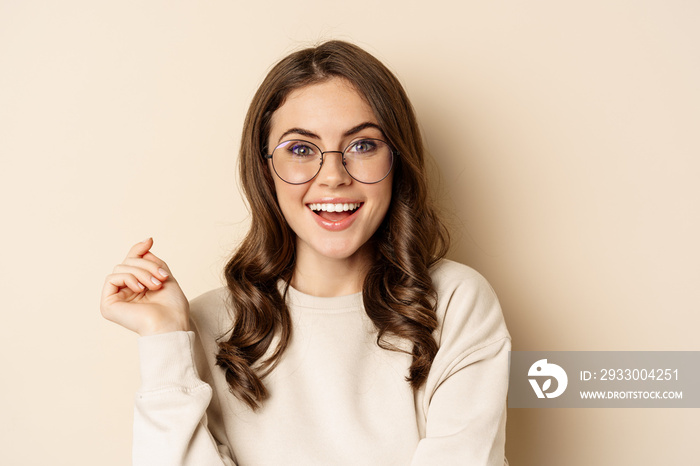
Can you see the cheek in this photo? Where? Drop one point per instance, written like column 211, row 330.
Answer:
column 383, row 196
column 385, row 193
column 289, row 199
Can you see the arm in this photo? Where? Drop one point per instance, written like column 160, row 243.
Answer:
column 170, row 421
column 466, row 417
column 464, row 398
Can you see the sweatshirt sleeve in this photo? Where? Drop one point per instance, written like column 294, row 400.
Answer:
column 170, row 420
column 464, row 402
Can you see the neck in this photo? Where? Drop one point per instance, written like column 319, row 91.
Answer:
column 327, row 277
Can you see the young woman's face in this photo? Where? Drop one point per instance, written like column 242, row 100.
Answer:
column 330, row 115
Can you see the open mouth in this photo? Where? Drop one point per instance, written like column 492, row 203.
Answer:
column 335, row 212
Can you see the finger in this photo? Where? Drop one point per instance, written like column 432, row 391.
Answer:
column 139, row 249
column 144, row 276
column 161, row 263
column 115, row 282
column 156, row 269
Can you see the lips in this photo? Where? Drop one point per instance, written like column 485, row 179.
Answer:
column 336, row 214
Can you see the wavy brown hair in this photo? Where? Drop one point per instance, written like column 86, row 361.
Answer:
column 398, row 294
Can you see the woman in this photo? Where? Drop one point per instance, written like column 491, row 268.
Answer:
column 342, row 336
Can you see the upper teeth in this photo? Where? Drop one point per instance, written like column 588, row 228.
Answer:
column 335, row 207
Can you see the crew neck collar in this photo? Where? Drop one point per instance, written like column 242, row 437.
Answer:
column 296, row 298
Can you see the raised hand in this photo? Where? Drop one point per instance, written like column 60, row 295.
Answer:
column 141, row 294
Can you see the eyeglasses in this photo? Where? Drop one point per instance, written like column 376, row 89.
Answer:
column 366, row 160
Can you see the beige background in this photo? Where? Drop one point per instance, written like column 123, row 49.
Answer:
column 565, row 135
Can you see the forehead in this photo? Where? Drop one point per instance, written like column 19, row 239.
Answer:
column 327, row 108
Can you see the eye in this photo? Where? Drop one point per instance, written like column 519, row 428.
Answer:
column 301, row 149
column 363, row 146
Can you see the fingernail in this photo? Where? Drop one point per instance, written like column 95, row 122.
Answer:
column 163, row 272
column 155, row 281
column 146, row 240
column 140, row 285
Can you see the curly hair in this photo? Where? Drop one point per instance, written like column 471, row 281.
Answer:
column 397, row 292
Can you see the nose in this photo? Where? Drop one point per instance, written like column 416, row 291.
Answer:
column 332, row 171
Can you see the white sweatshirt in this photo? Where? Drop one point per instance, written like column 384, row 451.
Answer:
column 336, row 398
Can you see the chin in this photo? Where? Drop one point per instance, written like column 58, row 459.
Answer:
column 337, row 250
column 337, row 253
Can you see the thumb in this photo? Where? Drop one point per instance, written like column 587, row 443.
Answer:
column 139, row 249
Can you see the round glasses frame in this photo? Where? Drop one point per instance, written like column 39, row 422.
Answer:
column 394, row 154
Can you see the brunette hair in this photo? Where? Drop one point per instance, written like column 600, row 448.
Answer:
column 398, row 293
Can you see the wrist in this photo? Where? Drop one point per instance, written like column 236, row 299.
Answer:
column 160, row 327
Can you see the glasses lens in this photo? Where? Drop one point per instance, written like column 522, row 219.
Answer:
column 296, row 161
column 368, row 160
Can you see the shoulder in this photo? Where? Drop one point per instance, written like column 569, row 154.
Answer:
column 449, row 274
column 209, row 312
column 453, row 280
column 467, row 307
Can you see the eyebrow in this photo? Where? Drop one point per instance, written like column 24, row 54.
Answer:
column 352, row 131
